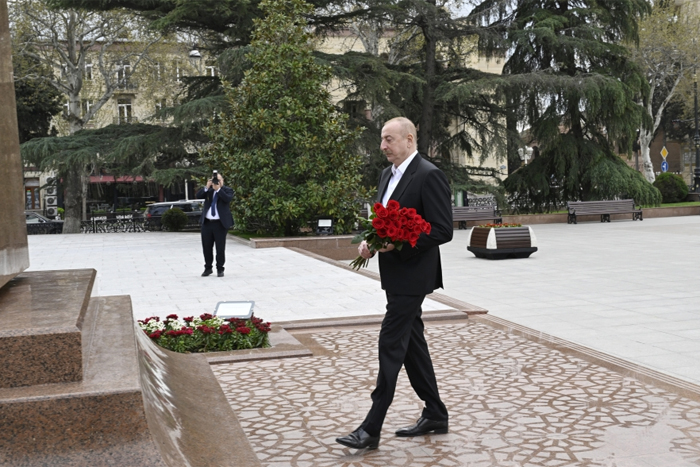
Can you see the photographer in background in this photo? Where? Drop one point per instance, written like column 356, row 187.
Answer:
column 215, row 221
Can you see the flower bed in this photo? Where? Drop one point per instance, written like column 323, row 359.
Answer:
column 206, row 333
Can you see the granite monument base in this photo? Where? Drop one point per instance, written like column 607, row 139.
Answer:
column 81, row 385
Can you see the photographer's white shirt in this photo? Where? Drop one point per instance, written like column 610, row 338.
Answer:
column 208, row 213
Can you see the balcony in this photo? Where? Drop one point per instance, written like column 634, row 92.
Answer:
column 128, row 85
column 124, row 120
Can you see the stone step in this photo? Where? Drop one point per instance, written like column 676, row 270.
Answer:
column 42, row 315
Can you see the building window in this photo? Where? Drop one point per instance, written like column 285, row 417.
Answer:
column 158, row 70
column 86, row 105
column 88, row 71
column 31, row 194
column 123, row 74
column 210, row 68
column 160, row 105
column 355, row 109
column 124, row 111
column 179, row 72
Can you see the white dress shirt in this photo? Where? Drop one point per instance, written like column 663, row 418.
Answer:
column 208, row 213
column 397, row 173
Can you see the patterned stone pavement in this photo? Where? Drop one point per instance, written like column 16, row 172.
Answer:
column 512, row 401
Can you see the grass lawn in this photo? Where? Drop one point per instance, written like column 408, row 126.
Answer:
column 675, row 205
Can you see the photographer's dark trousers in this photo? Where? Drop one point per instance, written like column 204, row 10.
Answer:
column 213, row 232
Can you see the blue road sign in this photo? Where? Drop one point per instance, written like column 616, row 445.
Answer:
column 664, row 166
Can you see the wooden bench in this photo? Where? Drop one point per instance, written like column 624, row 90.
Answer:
column 602, row 208
column 462, row 214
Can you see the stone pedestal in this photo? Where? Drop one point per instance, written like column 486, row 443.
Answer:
column 14, row 256
column 81, row 385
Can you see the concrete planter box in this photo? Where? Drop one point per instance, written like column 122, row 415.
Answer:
column 502, row 243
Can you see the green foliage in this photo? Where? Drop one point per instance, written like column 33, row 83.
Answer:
column 573, row 84
column 672, row 187
column 37, row 100
column 283, row 146
column 174, row 219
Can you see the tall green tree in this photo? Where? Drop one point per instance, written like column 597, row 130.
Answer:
column 666, row 54
column 576, row 91
column 283, row 145
column 37, row 101
column 65, row 40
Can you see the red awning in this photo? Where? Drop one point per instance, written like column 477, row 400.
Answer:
column 110, row 179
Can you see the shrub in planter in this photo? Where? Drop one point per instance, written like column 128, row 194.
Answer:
column 672, row 187
column 206, row 333
column 174, row 219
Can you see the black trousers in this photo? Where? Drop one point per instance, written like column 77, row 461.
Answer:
column 401, row 342
column 213, row 232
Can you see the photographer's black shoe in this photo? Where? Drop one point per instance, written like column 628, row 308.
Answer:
column 207, row 272
column 220, row 274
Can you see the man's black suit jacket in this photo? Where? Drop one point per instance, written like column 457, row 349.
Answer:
column 223, row 200
column 417, row 271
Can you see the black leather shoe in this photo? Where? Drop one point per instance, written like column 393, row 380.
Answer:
column 359, row 439
column 207, row 272
column 220, row 274
column 422, row 427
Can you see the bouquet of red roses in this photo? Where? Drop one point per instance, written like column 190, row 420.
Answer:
column 390, row 224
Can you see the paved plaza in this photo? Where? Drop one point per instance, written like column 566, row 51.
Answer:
column 627, row 291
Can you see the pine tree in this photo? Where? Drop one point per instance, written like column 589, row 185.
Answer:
column 576, row 91
column 283, row 146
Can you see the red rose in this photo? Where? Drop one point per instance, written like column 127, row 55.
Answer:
column 427, row 228
column 393, row 215
column 382, row 233
column 392, row 232
column 243, row 330
column 403, row 221
column 410, row 225
column 413, row 238
column 377, row 207
column 411, row 212
column 378, row 223
column 382, row 212
column 393, row 204
column 402, row 212
column 404, row 234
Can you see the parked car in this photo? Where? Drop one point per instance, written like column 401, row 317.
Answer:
column 38, row 224
column 192, row 208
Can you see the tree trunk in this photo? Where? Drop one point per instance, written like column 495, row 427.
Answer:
column 645, row 138
column 425, row 128
column 74, row 187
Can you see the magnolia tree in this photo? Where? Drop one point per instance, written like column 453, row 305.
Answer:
column 79, row 46
column 283, row 146
column 666, row 54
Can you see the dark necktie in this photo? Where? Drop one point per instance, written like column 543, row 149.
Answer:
column 213, row 205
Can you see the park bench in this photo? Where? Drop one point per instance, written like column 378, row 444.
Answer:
column 602, row 208
column 462, row 214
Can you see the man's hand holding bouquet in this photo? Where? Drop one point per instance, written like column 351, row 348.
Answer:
column 390, row 225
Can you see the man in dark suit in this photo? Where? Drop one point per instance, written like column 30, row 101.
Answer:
column 216, row 220
column 407, row 276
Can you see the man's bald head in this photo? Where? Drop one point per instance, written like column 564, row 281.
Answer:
column 407, row 127
column 398, row 140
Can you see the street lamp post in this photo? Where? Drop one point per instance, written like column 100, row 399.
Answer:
column 195, row 58
column 696, row 139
